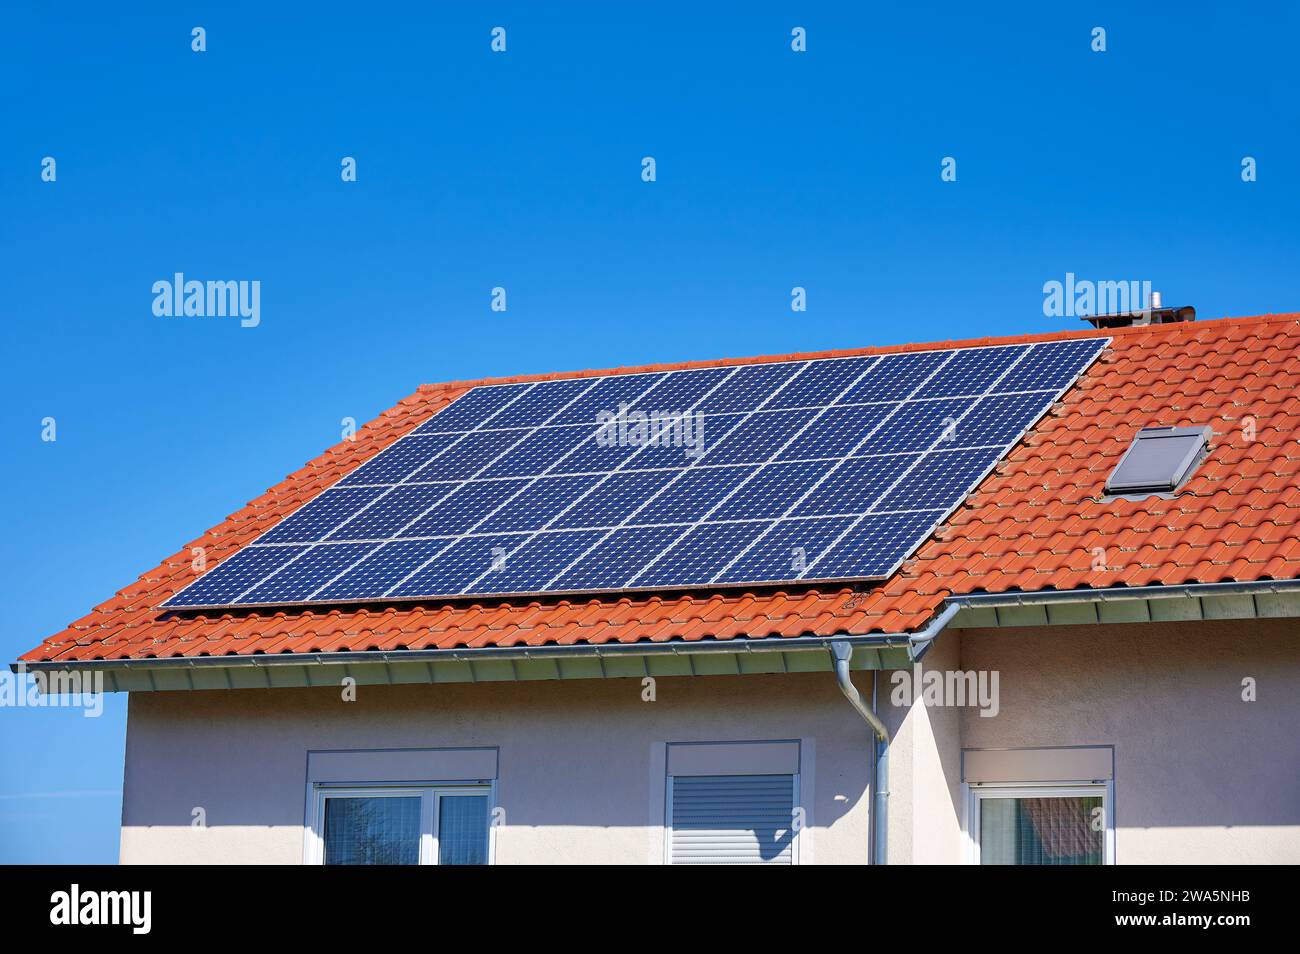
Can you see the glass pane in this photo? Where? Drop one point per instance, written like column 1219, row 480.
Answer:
column 1042, row 831
column 372, row 830
column 463, row 830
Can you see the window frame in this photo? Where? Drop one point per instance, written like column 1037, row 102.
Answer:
column 795, row 835
column 976, row 792
column 429, row 793
column 1180, row 467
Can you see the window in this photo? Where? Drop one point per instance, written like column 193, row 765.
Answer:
column 1040, row 825
column 1159, row 460
column 400, row 825
column 732, row 819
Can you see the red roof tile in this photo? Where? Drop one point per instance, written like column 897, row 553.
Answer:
column 1034, row 523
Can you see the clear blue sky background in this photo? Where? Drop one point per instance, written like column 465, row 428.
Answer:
column 522, row 170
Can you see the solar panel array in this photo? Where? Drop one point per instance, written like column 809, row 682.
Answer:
column 799, row 471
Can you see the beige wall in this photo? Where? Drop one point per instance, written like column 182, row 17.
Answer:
column 581, row 762
column 1200, row 776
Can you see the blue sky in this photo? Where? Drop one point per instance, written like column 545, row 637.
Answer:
column 522, row 170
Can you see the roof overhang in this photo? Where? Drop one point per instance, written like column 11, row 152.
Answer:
column 1193, row 602
column 771, row 655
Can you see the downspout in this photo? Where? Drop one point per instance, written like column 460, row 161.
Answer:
column 841, row 657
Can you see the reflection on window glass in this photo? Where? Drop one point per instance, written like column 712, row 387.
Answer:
column 1041, row 831
column 372, row 831
column 463, row 830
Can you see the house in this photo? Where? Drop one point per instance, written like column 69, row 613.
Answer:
column 1080, row 663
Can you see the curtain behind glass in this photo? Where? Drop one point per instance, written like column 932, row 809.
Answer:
column 1041, row 831
column 463, row 830
column 372, row 830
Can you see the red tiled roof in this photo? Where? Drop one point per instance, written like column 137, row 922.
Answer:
column 1034, row 523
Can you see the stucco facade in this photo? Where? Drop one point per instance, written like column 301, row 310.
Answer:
column 1199, row 774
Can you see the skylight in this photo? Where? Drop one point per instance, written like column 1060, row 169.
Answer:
column 1159, row 460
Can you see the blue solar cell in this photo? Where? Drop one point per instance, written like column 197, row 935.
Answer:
column 538, row 503
column 998, row 419
column 822, row 382
column 394, row 510
column 684, row 444
column 680, row 390
column 401, row 459
column 692, row 495
column 773, row 490
column 379, row 572
column 855, row 485
column 542, row 402
column 916, row 426
column 1052, row 366
column 614, row 500
column 596, row 454
column 531, row 565
column 606, row 396
column 296, row 581
column 972, row 371
column 700, row 554
column 538, row 452
column 894, row 378
column 318, row 517
column 787, row 549
column 758, row 437
column 836, row 432
column 469, row 411
column 467, row 457
column 460, row 510
column 223, row 583
column 612, row 562
column 462, row 562
column 749, row 387
column 874, row 546
column 941, row 480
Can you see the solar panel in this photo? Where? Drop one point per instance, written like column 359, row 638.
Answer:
column 784, row 472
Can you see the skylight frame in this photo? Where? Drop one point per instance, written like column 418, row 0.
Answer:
column 1181, row 461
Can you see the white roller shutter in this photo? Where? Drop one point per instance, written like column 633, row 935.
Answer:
column 732, row 819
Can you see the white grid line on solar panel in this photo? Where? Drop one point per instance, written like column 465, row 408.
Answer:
column 323, row 555
column 1059, row 350
column 802, row 368
column 556, row 428
column 943, row 361
column 486, row 534
column 721, row 379
column 877, row 507
column 453, row 484
column 530, row 535
column 897, row 480
column 271, row 530
column 458, row 484
column 522, row 394
column 655, row 381
column 1069, row 350
column 1057, row 353
column 866, row 437
column 749, row 417
column 776, row 410
column 881, row 358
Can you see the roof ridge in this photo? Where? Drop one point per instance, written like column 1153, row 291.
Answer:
column 1172, row 329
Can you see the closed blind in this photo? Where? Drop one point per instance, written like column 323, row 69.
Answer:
column 733, row 819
